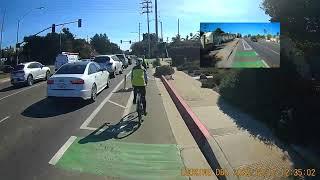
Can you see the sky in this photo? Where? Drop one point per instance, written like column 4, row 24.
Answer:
column 243, row 28
column 119, row 19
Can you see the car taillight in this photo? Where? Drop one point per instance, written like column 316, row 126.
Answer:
column 50, row 81
column 77, row 81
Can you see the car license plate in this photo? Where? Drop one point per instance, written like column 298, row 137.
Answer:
column 62, row 86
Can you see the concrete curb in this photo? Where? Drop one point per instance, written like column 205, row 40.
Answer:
column 232, row 50
column 208, row 146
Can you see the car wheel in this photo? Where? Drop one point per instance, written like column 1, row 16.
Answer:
column 112, row 75
column 108, row 84
column 94, row 93
column 47, row 75
column 30, row 80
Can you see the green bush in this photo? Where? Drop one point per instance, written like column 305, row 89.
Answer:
column 178, row 60
column 156, row 63
column 163, row 71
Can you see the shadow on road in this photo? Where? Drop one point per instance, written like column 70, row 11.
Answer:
column 10, row 88
column 258, row 130
column 124, row 128
column 50, row 108
column 124, row 90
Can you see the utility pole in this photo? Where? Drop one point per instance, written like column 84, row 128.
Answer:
column 1, row 31
column 146, row 9
column 156, row 18
column 161, row 30
column 139, row 31
column 178, row 28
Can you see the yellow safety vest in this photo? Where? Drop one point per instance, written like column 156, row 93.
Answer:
column 138, row 77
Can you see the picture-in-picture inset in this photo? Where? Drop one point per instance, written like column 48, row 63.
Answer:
column 240, row 45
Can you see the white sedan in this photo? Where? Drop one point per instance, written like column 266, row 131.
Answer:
column 83, row 79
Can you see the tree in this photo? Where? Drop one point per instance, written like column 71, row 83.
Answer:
column 249, row 35
column 299, row 18
column 219, row 31
column 45, row 48
column 85, row 50
column 102, row 44
column 269, row 36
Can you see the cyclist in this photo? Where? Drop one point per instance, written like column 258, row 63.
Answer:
column 139, row 80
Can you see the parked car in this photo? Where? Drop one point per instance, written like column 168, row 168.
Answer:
column 123, row 59
column 111, row 62
column 65, row 57
column 28, row 73
column 6, row 68
column 83, row 79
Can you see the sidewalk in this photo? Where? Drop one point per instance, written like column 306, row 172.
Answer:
column 238, row 142
column 191, row 154
column 225, row 51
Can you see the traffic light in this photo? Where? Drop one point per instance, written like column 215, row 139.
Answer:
column 53, row 28
column 121, row 41
column 130, row 41
column 79, row 22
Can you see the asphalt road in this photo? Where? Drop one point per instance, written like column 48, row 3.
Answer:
column 42, row 139
column 256, row 54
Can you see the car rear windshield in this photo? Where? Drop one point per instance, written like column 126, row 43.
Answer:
column 19, row 67
column 101, row 59
column 120, row 57
column 72, row 69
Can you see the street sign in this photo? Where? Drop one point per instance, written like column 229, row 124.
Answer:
column 79, row 22
column 53, row 28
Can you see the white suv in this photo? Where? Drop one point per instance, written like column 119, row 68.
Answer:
column 28, row 73
column 111, row 62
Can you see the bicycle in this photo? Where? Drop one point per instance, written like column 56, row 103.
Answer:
column 140, row 109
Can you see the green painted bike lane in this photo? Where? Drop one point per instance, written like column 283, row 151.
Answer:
column 150, row 152
column 124, row 160
column 248, row 59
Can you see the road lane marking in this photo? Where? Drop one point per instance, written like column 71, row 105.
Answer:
column 4, row 119
column 96, row 111
column 244, row 43
column 265, row 63
column 269, row 49
column 21, row 91
column 116, row 104
column 62, row 150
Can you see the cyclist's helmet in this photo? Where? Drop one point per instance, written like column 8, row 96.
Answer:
column 139, row 61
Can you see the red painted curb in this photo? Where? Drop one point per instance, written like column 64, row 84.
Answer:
column 185, row 108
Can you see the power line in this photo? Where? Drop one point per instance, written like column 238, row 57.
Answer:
column 147, row 8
